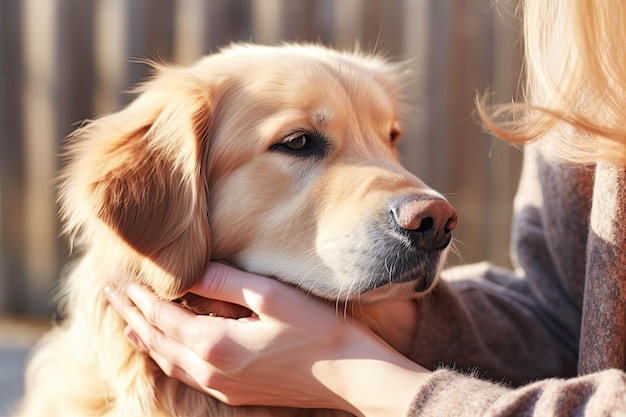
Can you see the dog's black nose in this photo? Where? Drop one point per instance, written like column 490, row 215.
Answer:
column 428, row 222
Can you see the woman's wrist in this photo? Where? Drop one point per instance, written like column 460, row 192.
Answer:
column 370, row 378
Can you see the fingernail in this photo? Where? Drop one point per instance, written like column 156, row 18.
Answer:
column 110, row 293
column 134, row 339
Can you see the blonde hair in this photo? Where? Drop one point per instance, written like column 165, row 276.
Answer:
column 575, row 87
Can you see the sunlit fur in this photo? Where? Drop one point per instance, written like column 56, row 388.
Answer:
column 575, row 86
column 189, row 172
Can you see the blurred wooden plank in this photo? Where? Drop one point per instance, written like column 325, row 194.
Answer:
column 110, row 33
column 76, row 83
column 347, row 23
column 191, row 31
column 437, row 69
column 267, row 19
column 13, row 283
column 416, row 26
column 39, row 21
column 229, row 21
column 504, row 160
column 158, row 38
column 466, row 149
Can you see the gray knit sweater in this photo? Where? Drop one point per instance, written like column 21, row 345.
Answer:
column 548, row 339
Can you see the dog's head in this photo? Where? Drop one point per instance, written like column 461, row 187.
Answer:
column 279, row 160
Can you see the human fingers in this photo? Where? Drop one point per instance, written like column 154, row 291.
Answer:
column 159, row 321
column 200, row 381
column 141, row 309
column 174, row 355
column 152, row 324
column 225, row 283
column 211, row 352
column 196, row 343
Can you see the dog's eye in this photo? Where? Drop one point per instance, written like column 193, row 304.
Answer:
column 302, row 144
column 298, row 143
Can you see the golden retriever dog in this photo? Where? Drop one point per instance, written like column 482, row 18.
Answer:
column 279, row 160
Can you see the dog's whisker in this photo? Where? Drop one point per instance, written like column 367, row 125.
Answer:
column 388, row 269
column 342, row 295
column 337, row 300
column 304, row 275
column 454, row 250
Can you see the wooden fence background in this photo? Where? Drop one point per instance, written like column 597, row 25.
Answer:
column 62, row 61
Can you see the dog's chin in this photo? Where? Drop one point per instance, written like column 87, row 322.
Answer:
column 411, row 283
column 425, row 282
column 417, row 275
column 420, row 283
column 389, row 292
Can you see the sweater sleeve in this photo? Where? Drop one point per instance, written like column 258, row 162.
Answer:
column 603, row 334
column 485, row 319
column 449, row 393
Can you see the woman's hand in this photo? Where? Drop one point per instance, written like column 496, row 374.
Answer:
column 294, row 350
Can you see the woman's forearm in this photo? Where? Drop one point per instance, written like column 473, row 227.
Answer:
column 373, row 381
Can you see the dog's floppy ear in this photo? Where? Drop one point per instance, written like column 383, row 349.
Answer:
column 141, row 171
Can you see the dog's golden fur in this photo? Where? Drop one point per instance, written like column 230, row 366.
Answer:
column 279, row 160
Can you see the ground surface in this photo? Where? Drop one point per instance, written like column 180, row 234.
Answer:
column 17, row 336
